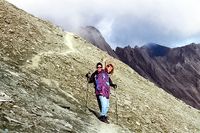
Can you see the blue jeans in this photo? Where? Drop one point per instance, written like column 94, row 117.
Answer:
column 104, row 105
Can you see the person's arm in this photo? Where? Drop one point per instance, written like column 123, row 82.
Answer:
column 111, row 83
column 91, row 78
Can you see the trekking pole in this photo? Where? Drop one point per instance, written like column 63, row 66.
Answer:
column 86, row 95
column 116, row 107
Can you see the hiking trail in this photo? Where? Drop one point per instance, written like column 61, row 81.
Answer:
column 67, row 41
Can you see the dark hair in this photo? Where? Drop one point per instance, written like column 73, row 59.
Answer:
column 99, row 64
column 109, row 66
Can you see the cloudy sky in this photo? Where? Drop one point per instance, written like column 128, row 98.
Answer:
column 125, row 22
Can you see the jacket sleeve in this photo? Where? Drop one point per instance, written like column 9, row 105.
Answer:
column 92, row 78
column 110, row 81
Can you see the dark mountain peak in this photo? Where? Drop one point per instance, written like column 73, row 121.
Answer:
column 150, row 45
column 91, row 28
column 192, row 46
column 94, row 36
column 155, row 50
column 128, row 47
column 189, row 54
column 189, row 46
column 90, row 31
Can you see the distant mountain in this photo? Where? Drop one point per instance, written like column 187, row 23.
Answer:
column 175, row 70
column 94, row 36
column 156, row 49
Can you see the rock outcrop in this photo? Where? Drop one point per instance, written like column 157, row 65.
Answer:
column 43, row 85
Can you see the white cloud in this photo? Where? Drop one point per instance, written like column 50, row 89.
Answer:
column 124, row 21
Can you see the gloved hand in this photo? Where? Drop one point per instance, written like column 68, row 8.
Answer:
column 114, row 86
column 87, row 75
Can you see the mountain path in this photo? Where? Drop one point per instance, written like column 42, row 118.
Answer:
column 67, row 41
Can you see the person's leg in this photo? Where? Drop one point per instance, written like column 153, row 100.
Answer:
column 107, row 108
column 99, row 102
column 104, row 105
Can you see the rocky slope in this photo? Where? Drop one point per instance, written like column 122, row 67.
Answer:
column 43, row 85
column 175, row 70
column 93, row 35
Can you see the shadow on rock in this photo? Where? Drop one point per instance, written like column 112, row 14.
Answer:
column 94, row 112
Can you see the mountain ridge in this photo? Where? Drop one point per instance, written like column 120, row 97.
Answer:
column 174, row 71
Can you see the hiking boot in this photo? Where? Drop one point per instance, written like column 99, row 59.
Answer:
column 103, row 119
column 107, row 117
column 106, row 120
